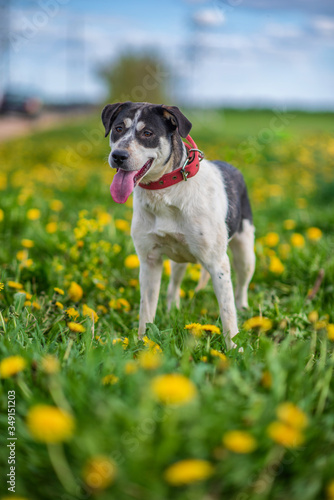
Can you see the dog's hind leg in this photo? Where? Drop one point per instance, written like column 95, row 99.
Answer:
column 149, row 280
column 173, row 292
column 242, row 246
column 204, row 278
column 221, row 279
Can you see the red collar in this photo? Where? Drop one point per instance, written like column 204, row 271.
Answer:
column 189, row 169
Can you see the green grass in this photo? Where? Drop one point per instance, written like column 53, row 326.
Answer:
column 289, row 176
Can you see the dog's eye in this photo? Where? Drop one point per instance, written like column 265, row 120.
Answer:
column 147, row 133
column 119, row 128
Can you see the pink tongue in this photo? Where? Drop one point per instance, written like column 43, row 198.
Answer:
column 122, row 185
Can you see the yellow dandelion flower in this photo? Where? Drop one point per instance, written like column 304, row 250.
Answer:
column 297, row 240
column 2, row 215
column 2, row 286
column 13, row 497
column 50, row 364
column 167, row 267
column 100, row 286
column 36, row 305
column 313, row 316
column 271, row 239
column 99, row 472
column 125, row 342
column 239, row 441
column 320, row 325
column 330, row 331
column 28, row 295
column 284, row 250
column 151, row 344
column 102, row 309
column 131, row 261
column 266, row 379
column 204, row 359
column 59, row 290
column 276, row 265
column 130, row 367
column 285, row 435
column 330, row 490
column 258, row 322
column 76, row 327
column 110, row 379
column 104, row 218
column 218, row 354
column 116, row 248
column 33, row 214
column 59, row 305
column 291, row 415
column 14, row 284
column 27, row 243
column 88, row 311
column 22, row 255
column 50, row 424
column 134, row 283
column 51, row 227
column 72, row 313
column 56, row 205
column 75, row 292
column 11, row 366
column 150, row 360
column 314, row 233
column 188, row 471
column 122, row 225
column 289, row 224
column 27, row 303
column 173, row 389
column 195, row 329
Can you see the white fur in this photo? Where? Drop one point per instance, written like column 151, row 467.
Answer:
column 186, row 222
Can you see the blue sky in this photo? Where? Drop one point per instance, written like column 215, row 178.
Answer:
column 223, row 52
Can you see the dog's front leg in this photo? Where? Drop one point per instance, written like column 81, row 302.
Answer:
column 221, row 278
column 149, row 280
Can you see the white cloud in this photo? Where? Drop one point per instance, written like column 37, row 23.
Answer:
column 209, row 17
column 324, row 25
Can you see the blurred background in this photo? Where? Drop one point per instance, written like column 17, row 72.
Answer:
column 58, row 56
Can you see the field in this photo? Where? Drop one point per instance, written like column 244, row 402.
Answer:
column 100, row 414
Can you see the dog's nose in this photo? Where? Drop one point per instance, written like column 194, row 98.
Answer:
column 119, row 155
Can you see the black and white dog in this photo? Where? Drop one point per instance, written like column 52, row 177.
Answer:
column 189, row 221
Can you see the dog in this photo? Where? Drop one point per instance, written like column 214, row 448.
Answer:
column 189, row 217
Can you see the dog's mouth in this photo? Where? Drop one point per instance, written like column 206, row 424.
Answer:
column 125, row 181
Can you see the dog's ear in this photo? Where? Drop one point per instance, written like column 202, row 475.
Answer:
column 178, row 119
column 109, row 113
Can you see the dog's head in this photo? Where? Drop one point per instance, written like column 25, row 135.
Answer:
column 141, row 139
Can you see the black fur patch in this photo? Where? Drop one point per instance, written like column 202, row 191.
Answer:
column 238, row 202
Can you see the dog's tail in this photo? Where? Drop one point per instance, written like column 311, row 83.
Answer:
column 203, row 280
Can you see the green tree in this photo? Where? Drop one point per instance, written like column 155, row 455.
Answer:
column 137, row 77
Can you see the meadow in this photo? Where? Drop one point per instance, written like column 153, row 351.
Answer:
column 99, row 414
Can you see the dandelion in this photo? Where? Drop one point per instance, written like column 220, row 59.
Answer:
column 124, row 341
column 271, row 239
column 314, row 233
column 75, row 292
column 330, row 331
column 14, row 284
column 150, row 360
column 276, row 265
column 87, row 311
column 188, row 471
column 33, row 214
column 195, row 329
column 56, row 205
column 76, row 327
column 2, row 215
column 239, row 441
column 72, row 313
column 130, row 367
column 151, row 344
column 122, row 225
column 2, row 286
column 99, row 472
column 51, row 227
column 173, row 389
column 110, row 379
column 285, row 435
column 50, row 424
column 116, row 248
column 259, row 322
column 297, row 240
column 284, row 250
column 36, row 305
column 59, row 290
column 134, row 283
column 313, row 316
column 131, row 261
column 291, row 415
column 266, row 379
column 27, row 243
column 330, row 490
column 59, row 305
column 289, row 224
column 50, row 364
column 11, row 366
column 167, row 267
column 102, row 309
